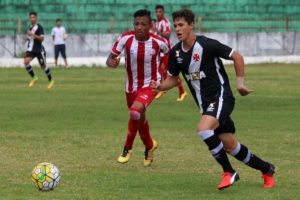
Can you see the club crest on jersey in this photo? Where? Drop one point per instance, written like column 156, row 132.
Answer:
column 177, row 54
column 196, row 57
column 211, row 107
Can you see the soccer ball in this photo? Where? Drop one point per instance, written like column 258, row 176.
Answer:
column 45, row 176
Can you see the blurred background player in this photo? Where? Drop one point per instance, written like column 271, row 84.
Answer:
column 153, row 26
column 34, row 48
column 59, row 36
column 163, row 29
column 142, row 51
column 198, row 59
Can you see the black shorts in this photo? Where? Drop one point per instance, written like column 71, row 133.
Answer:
column 221, row 109
column 60, row 48
column 41, row 56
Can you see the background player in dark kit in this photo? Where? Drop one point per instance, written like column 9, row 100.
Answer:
column 34, row 48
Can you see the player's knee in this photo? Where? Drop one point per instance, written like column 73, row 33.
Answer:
column 26, row 62
column 134, row 114
column 207, row 123
column 202, row 127
column 229, row 146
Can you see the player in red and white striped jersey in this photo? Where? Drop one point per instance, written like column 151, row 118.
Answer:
column 163, row 29
column 142, row 51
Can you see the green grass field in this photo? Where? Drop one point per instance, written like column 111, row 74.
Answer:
column 80, row 126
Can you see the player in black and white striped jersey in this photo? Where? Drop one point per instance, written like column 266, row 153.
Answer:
column 34, row 48
column 198, row 59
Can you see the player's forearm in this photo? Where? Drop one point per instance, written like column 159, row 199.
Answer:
column 239, row 67
column 168, row 84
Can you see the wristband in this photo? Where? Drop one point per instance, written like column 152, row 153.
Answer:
column 239, row 81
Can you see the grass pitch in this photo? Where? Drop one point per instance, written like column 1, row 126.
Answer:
column 80, row 126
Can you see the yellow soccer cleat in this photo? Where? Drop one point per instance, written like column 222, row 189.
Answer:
column 33, row 81
column 124, row 157
column 149, row 154
column 182, row 96
column 50, row 85
column 160, row 94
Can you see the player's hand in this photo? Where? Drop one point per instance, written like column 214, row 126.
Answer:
column 241, row 88
column 244, row 91
column 154, row 85
column 30, row 33
column 114, row 62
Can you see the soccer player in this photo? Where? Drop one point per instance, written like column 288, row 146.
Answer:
column 153, row 26
column 163, row 29
column 198, row 59
column 142, row 51
column 59, row 36
column 34, row 48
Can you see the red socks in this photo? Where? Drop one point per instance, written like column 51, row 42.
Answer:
column 180, row 86
column 145, row 135
column 134, row 125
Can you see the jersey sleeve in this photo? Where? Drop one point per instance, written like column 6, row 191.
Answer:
column 164, row 46
column 52, row 32
column 219, row 50
column 167, row 28
column 173, row 68
column 119, row 45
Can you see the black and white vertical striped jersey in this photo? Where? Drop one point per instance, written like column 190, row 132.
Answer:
column 34, row 45
column 203, row 70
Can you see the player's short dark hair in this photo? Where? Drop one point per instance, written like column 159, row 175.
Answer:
column 33, row 13
column 142, row 13
column 187, row 14
column 159, row 6
column 153, row 20
column 58, row 20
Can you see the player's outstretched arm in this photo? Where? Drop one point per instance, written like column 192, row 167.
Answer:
column 168, row 84
column 112, row 60
column 240, row 72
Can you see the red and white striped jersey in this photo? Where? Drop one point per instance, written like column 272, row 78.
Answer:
column 163, row 25
column 142, row 59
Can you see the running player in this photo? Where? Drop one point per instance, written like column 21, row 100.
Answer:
column 198, row 59
column 163, row 29
column 34, row 48
column 142, row 51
